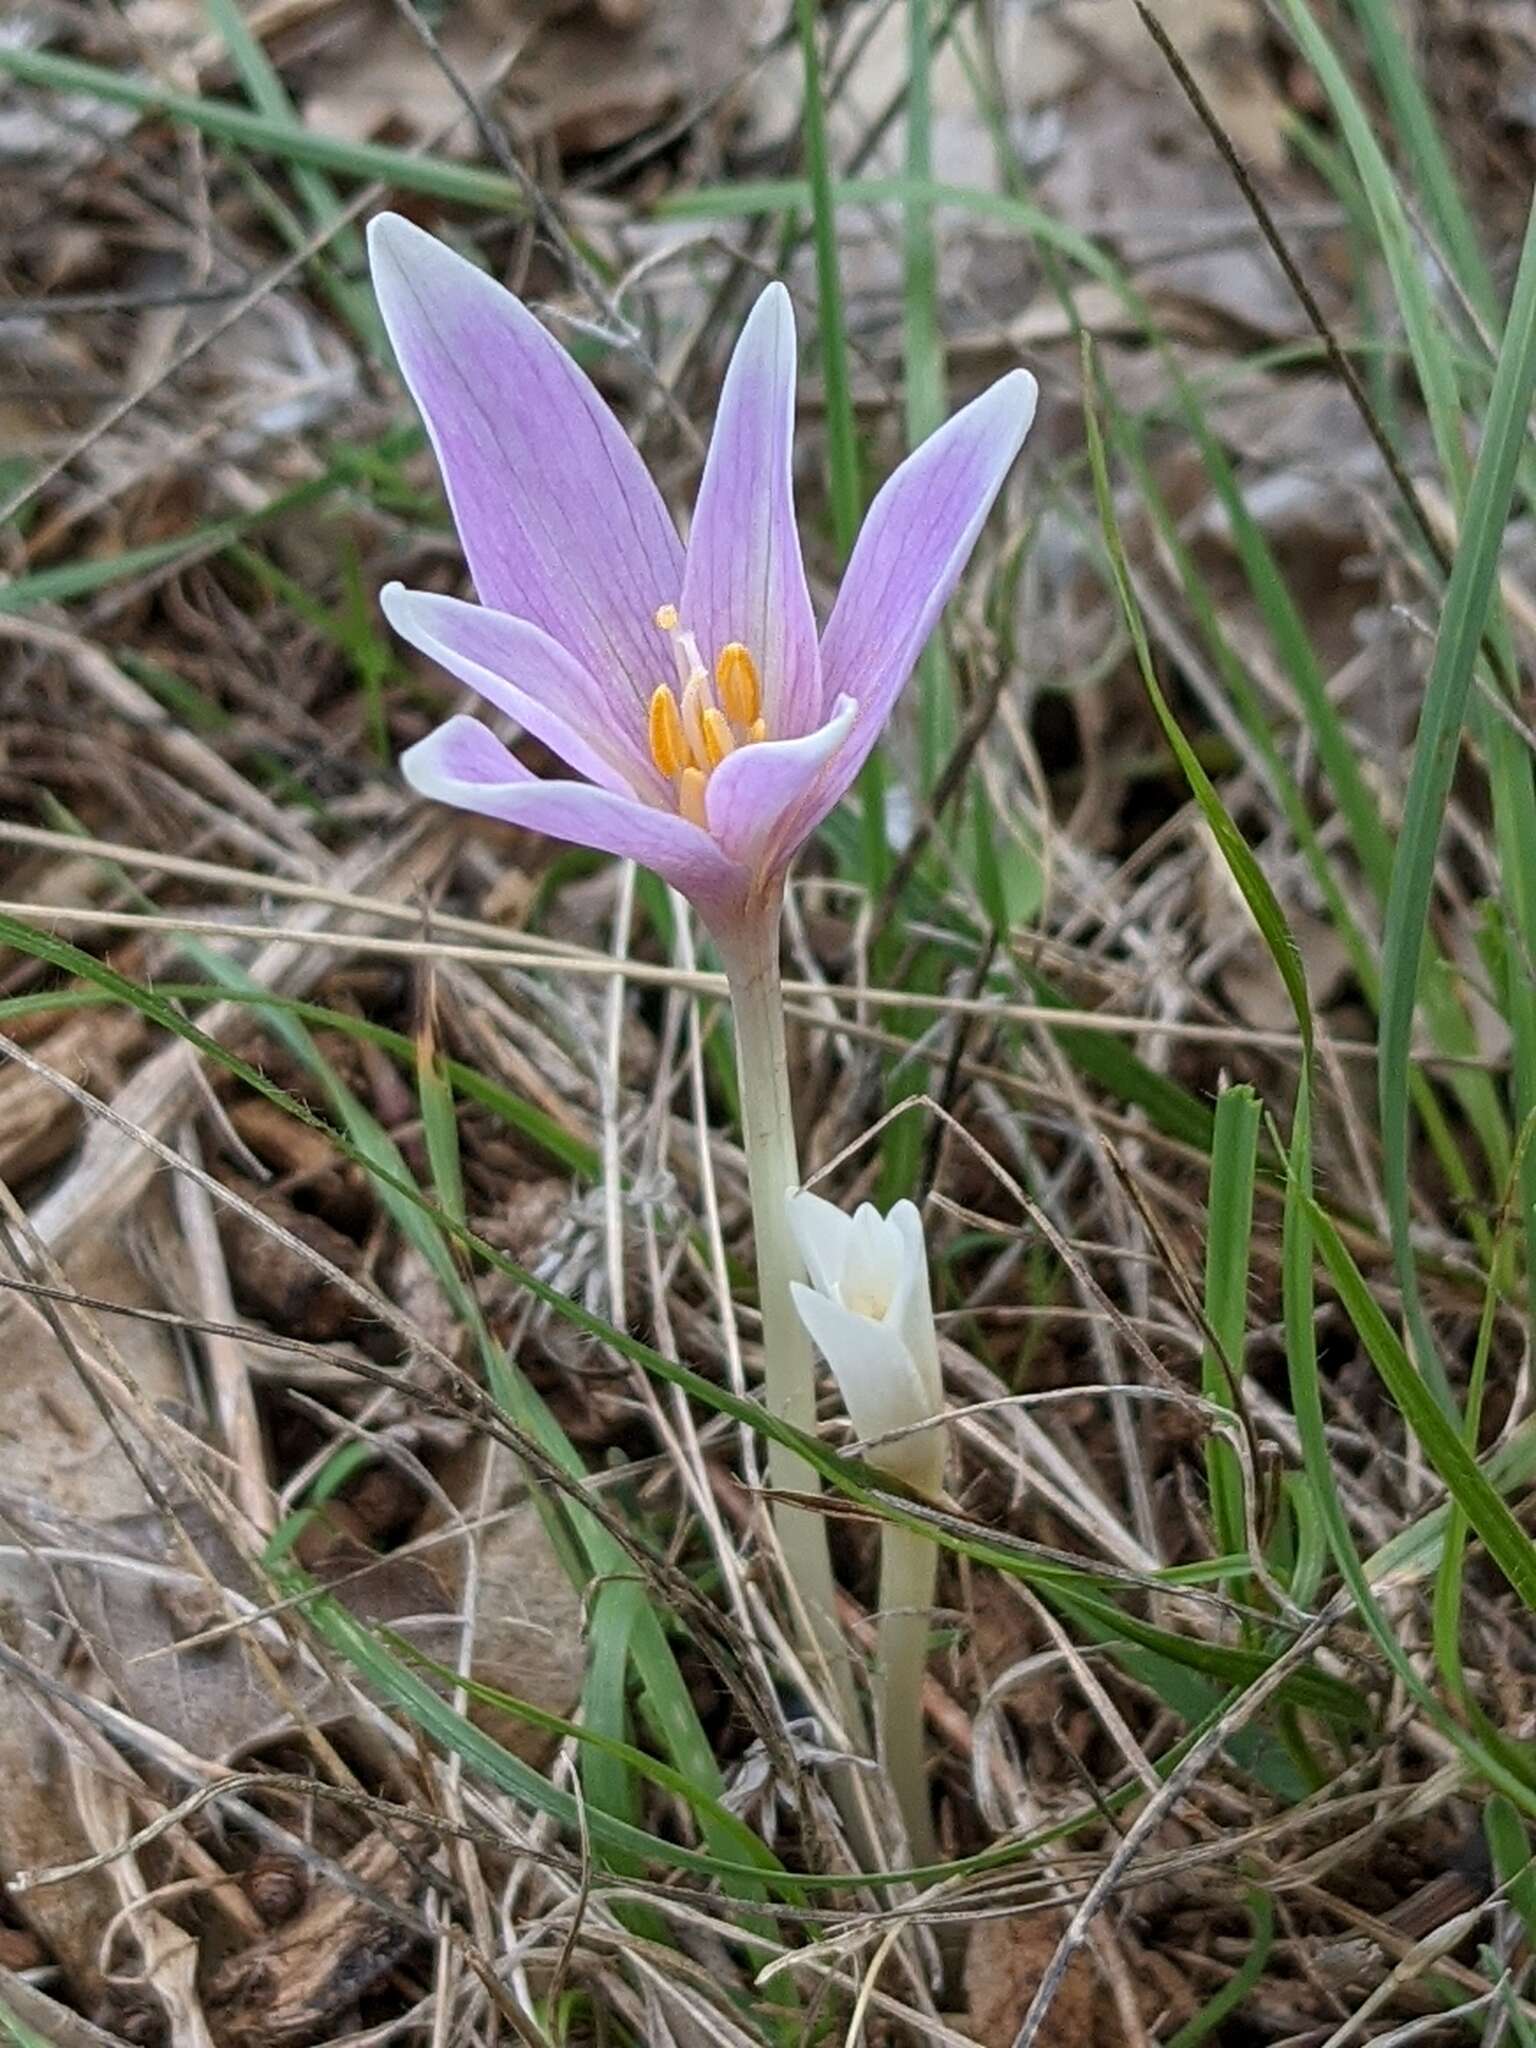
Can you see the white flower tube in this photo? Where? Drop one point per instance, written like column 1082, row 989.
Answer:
column 870, row 1313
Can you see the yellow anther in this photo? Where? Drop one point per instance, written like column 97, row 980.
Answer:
column 694, row 703
column 690, row 798
column 666, row 617
column 669, row 749
column 758, row 729
column 718, row 738
column 741, row 690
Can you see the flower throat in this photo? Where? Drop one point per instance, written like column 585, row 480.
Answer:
column 694, row 727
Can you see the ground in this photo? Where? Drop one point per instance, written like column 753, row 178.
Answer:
column 392, row 1649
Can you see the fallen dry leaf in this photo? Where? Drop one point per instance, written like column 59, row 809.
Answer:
column 583, row 78
column 1003, row 1967
column 527, row 1614
column 135, row 1595
column 273, row 1281
column 56, row 1444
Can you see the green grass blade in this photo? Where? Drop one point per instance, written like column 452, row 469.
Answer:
column 17, row 2031
column 1234, row 1159
column 268, row 96
column 1395, row 238
column 1509, row 1847
column 1463, row 618
column 1074, row 1588
column 1512, row 786
column 1476, row 1091
column 69, row 580
column 1229, row 1999
column 1323, row 1503
column 923, row 361
column 437, row 1234
column 844, row 489
column 1173, row 1108
column 1478, row 1499
column 748, row 1847
column 1413, row 122
column 435, row 1716
column 370, row 162
column 1509, row 766
column 1421, row 1546
column 1250, row 878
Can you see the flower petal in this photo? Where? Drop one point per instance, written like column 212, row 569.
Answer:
column 877, row 1380
column 879, row 1383
column 458, row 760
column 758, row 796
column 914, row 543
column 912, row 1309
column 463, row 763
column 820, row 1230
column 745, row 579
column 872, row 1273
column 559, row 518
column 553, row 697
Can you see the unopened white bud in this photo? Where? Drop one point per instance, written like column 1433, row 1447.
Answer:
column 870, row 1314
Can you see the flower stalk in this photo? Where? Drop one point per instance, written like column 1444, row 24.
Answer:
column 751, row 962
column 909, row 1568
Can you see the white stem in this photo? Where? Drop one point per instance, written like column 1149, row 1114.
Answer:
column 751, row 960
column 909, row 1566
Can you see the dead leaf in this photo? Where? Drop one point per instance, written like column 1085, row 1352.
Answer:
column 134, row 1595
column 1003, row 1967
column 584, row 79
column 273, row 1281
column 528, row 1615
column 54, row 1441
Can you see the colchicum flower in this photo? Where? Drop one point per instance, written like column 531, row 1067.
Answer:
column 686, row 686
column 712, row 731
column 870, row 1314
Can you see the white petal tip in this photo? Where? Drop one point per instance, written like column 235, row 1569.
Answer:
column 391, row 236
column 413, row 613
column 775, row 297
column 1023, row 391
column 460, row 755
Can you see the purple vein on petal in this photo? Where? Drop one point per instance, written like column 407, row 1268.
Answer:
column 558, row 515
column 522, row 672
column 463, row 764
column 745, row 579
column 915, row 541
column 758, row 796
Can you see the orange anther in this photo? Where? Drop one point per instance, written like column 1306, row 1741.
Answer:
column 718, row 739
column 669, row 748
column 740, row 687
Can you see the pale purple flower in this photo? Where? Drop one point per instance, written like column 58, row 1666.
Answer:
column 685, row 686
